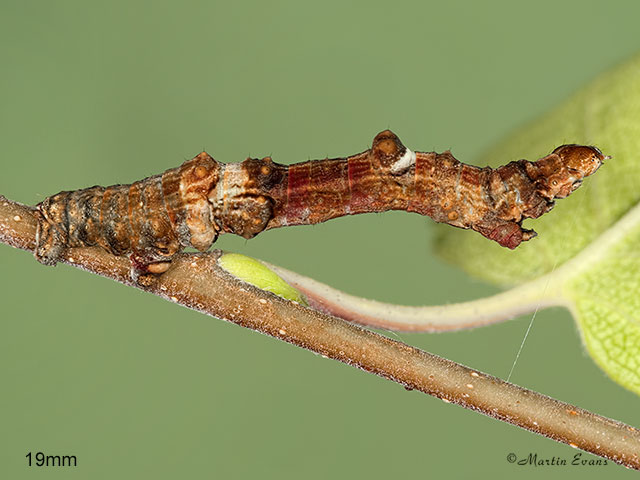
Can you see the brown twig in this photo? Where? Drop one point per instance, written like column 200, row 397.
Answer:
column 198, row 282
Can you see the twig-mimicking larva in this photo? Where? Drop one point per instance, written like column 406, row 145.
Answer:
column 153, row 219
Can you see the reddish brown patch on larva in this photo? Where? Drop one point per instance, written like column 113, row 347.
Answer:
column 362, row 182
column 297, row 193
column 507, row 235
column 328, row 190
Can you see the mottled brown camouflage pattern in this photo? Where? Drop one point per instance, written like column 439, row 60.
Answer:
column 153, row 219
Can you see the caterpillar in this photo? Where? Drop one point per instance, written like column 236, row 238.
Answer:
column 189, row 206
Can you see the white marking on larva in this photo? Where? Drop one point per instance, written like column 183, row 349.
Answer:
column 282, row 331
column 263, row 301
column 445, row 400
column 235, row 179
column 518, row 199
column 174, row 299
column 485, row 196
column 216, row 196
column 474, row 374
column 469, row 385
column 17, row 218
column 404, row 162
column 194, row 264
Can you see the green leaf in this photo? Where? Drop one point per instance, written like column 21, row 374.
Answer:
column 590, row 242
column 605, row 302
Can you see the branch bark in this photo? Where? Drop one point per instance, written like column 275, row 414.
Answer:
column 198, row 282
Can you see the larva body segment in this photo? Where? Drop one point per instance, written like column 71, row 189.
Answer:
column 150, row 220
column 242, row 202
column 189, row 206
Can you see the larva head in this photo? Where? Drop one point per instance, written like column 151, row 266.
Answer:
column 574, row 162
column 581, row 158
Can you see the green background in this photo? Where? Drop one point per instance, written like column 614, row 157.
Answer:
column 136, row 387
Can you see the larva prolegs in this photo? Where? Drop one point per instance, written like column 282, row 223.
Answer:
column 507, row 234
column 52, row 234
column 50, row 242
